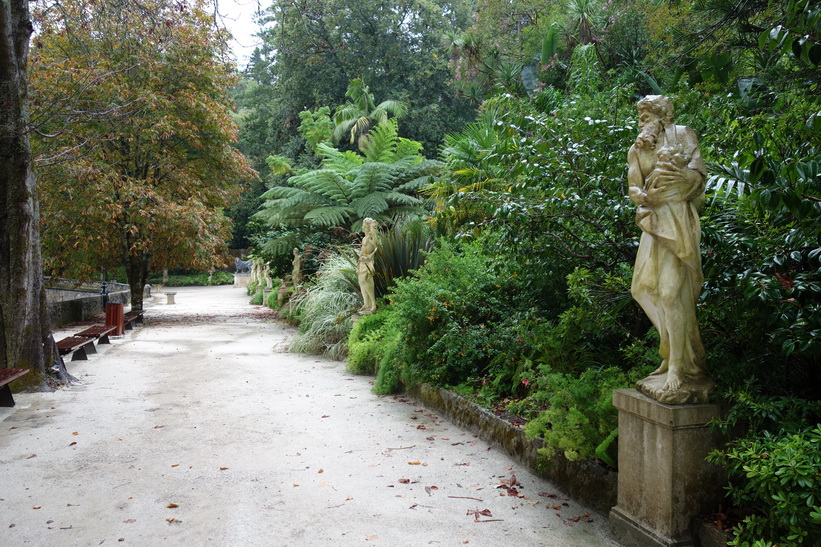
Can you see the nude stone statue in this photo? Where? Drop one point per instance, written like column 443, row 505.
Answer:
column 666, row 178
column 296, row 273
column 364, row 268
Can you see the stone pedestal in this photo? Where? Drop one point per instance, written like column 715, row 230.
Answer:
column 664, row 480
column 265, row 292
column 170, row 297
column 241, row 280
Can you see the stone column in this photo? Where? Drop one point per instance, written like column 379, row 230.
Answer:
column 664, row 480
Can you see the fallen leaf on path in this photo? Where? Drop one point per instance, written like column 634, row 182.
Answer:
column 175, row 465
column 172, row 505
column 130, row 521
column 321, row 471
column 326, row 416
column 223, row 468
column 75, row 432
column 421, row 426
column 35, row 455
column 430, row 438
column 37, row 507
column 404, row 481
column 371, row 538
column 155, row 427
column 414, row 463
column 295, row 485
column 72, row 444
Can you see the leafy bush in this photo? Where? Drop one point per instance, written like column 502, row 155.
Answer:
column 773, row 467
column 256, row 299
column 324, row 310
column 580, row 420
column 195, row 280
column 456, row 314
column 369, row 341
column 271, row 302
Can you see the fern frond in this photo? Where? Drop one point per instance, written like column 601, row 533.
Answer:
column 371, row 177
column 326, row 183
column 370, row 205
column 382, row 141
column 329, row 216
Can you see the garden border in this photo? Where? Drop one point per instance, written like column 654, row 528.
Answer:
column 583, row 480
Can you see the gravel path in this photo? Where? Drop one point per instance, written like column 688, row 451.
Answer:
column 199, row 428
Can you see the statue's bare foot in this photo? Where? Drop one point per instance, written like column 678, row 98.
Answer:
column 673, row 382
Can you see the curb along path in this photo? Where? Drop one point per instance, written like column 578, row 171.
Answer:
column 199, row 428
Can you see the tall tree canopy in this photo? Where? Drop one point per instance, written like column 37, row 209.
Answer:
column 312, row 50
column 135, row 135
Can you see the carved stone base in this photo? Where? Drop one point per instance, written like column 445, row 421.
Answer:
column 692, row 390
column 664, row 480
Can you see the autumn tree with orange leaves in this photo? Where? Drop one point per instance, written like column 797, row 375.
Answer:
column 133, row 137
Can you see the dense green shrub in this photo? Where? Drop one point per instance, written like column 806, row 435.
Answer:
column 370, row 340
column 773, row 467
column 457, row 315
column 580, row 420
column 195, row 280
column 256, row 299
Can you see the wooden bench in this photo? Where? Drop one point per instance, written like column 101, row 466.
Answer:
column 135, row 317
column 7, row 375
column 78, row 346
column 97, row 332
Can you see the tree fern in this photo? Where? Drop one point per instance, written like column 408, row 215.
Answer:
column 380, row 182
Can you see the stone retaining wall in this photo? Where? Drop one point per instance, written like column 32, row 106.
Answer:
column 584, row 481
column 82, row 307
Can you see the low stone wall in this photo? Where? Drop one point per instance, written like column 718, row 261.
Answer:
column 85, row 305
column 585, row 481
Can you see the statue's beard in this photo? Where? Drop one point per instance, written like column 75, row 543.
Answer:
column 648, row 137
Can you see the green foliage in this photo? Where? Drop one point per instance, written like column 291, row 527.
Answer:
column 402, row 249
column 271, row 301
column 199, row 279
column 256, row 299
column 324, row 310
column 310, row 53
column 380, row 183
column 456, row 315
column 580, row 419
column 370, row 341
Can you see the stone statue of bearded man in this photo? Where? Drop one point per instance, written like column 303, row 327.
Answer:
column 666, row 179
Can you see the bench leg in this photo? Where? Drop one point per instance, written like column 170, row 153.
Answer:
column 103, row 339
column 79, row 354
column 5, row 396
column 90, row 348
column 128, row 326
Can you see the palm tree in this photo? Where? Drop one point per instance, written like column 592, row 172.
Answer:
column 361, row 113
column 380, row 183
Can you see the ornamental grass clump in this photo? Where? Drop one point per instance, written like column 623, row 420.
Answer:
column 324, row 310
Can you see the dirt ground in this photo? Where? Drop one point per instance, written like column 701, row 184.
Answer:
column 200, row 428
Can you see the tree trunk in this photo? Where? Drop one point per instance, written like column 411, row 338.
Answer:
column 137, row 272
column 25, row 337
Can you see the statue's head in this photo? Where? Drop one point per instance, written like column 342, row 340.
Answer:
column 657, row 106
column 369, row 225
